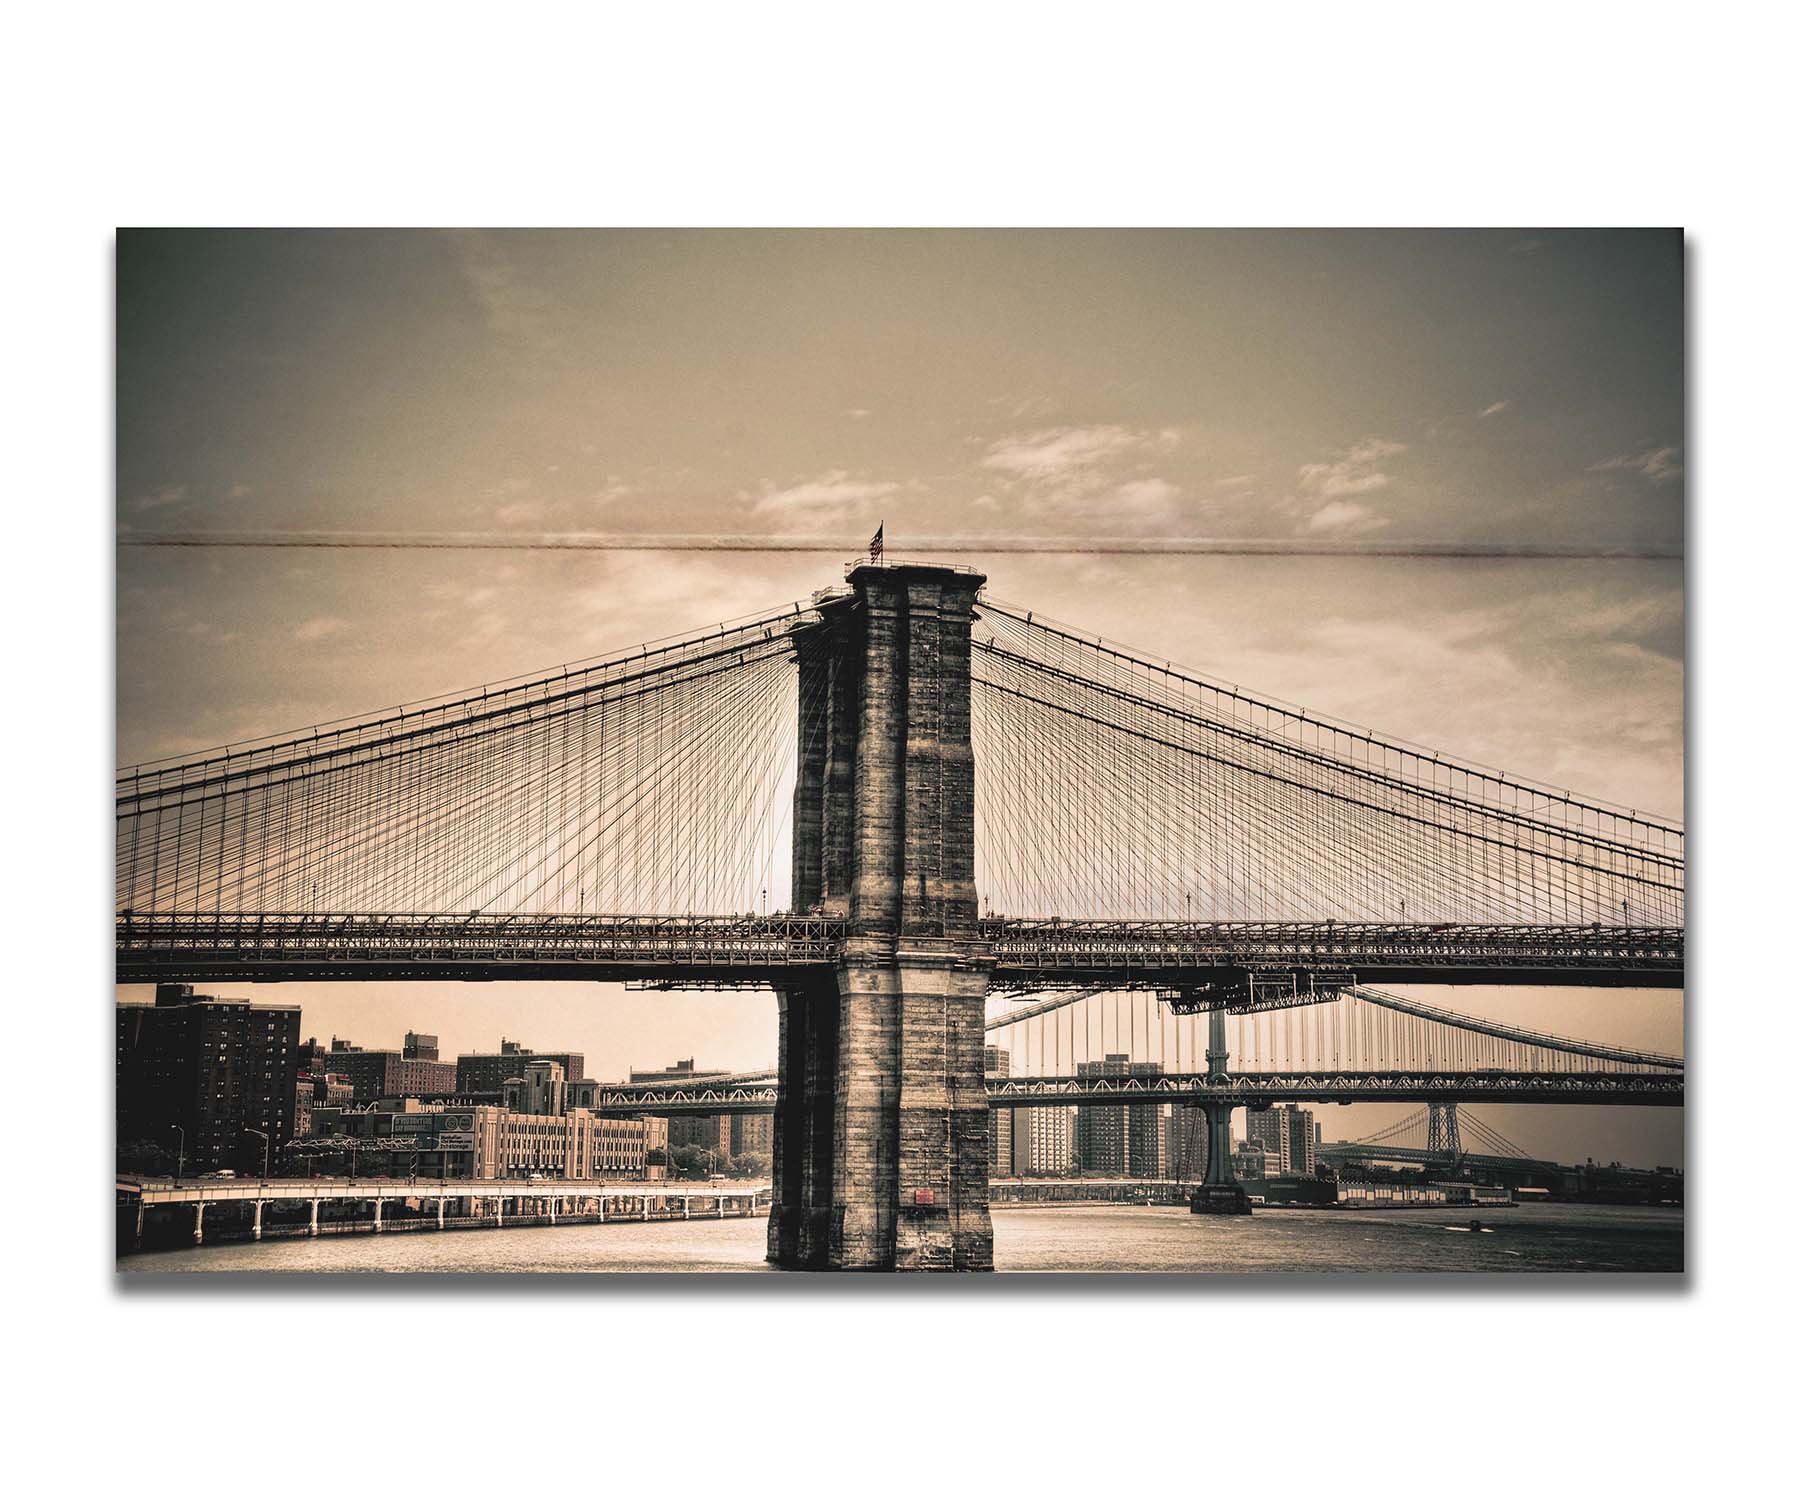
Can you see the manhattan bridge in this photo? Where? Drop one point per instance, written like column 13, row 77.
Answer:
column 987, row 826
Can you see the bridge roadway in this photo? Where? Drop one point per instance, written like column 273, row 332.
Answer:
column 161, row 1191
column 1348, row 1151
column 1026, row 953
column 1324, row 1086
column 535, row 1201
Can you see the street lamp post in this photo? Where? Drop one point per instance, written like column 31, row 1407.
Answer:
column 250, row 1130
column 180, row 1150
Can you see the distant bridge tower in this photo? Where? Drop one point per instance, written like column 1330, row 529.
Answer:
column 1443, row 1135
column 1220, row 1193
column 881, row 1122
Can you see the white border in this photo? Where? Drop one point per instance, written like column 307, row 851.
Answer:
column 1398, row 114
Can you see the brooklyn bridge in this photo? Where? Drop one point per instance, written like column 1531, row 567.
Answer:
column 927, row 820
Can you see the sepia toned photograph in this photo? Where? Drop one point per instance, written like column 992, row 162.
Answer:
column 768, row 751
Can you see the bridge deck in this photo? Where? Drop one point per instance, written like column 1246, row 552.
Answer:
column 733, row 950
column 1328, row 1086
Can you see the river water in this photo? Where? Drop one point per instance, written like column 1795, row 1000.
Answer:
column 1103, row 1237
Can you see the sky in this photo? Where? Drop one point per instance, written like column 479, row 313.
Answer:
column 1454, row 388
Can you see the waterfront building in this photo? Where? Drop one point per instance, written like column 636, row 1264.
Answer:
column 1251, row 1160
column 487, row 1140
column 197, row 1072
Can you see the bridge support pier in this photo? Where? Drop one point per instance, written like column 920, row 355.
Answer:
column 199, row 1223
column 312, row 1227
column 378, row 1216
column 441, row 1203
column 881, row 1122
column 256, row 1221
column 1221, row 1192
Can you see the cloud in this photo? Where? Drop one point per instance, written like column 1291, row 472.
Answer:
column 1658, row 465
column 1059, row 452
column 1345, row 518
column 1093, row 472
column 1353, row 472
column 321, row 628
column 1145, row 496
column 832, row 496
column 1494, row 410
column 163, row 494
column 1024, row 408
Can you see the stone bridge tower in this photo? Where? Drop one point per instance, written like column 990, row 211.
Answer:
column 881, row 1124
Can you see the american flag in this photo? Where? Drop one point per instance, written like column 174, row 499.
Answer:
column 875, row 543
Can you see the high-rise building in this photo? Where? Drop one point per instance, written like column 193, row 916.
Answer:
column 997, row 1063
column 1145, row 1134
column 197, row 1074
column 1121, row 1139
column 1100, row 1137
column 420, row 1046
column 1042, row 1141
column 1287, row 1132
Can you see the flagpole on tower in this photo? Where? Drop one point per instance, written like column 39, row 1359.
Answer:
column 875, row 543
